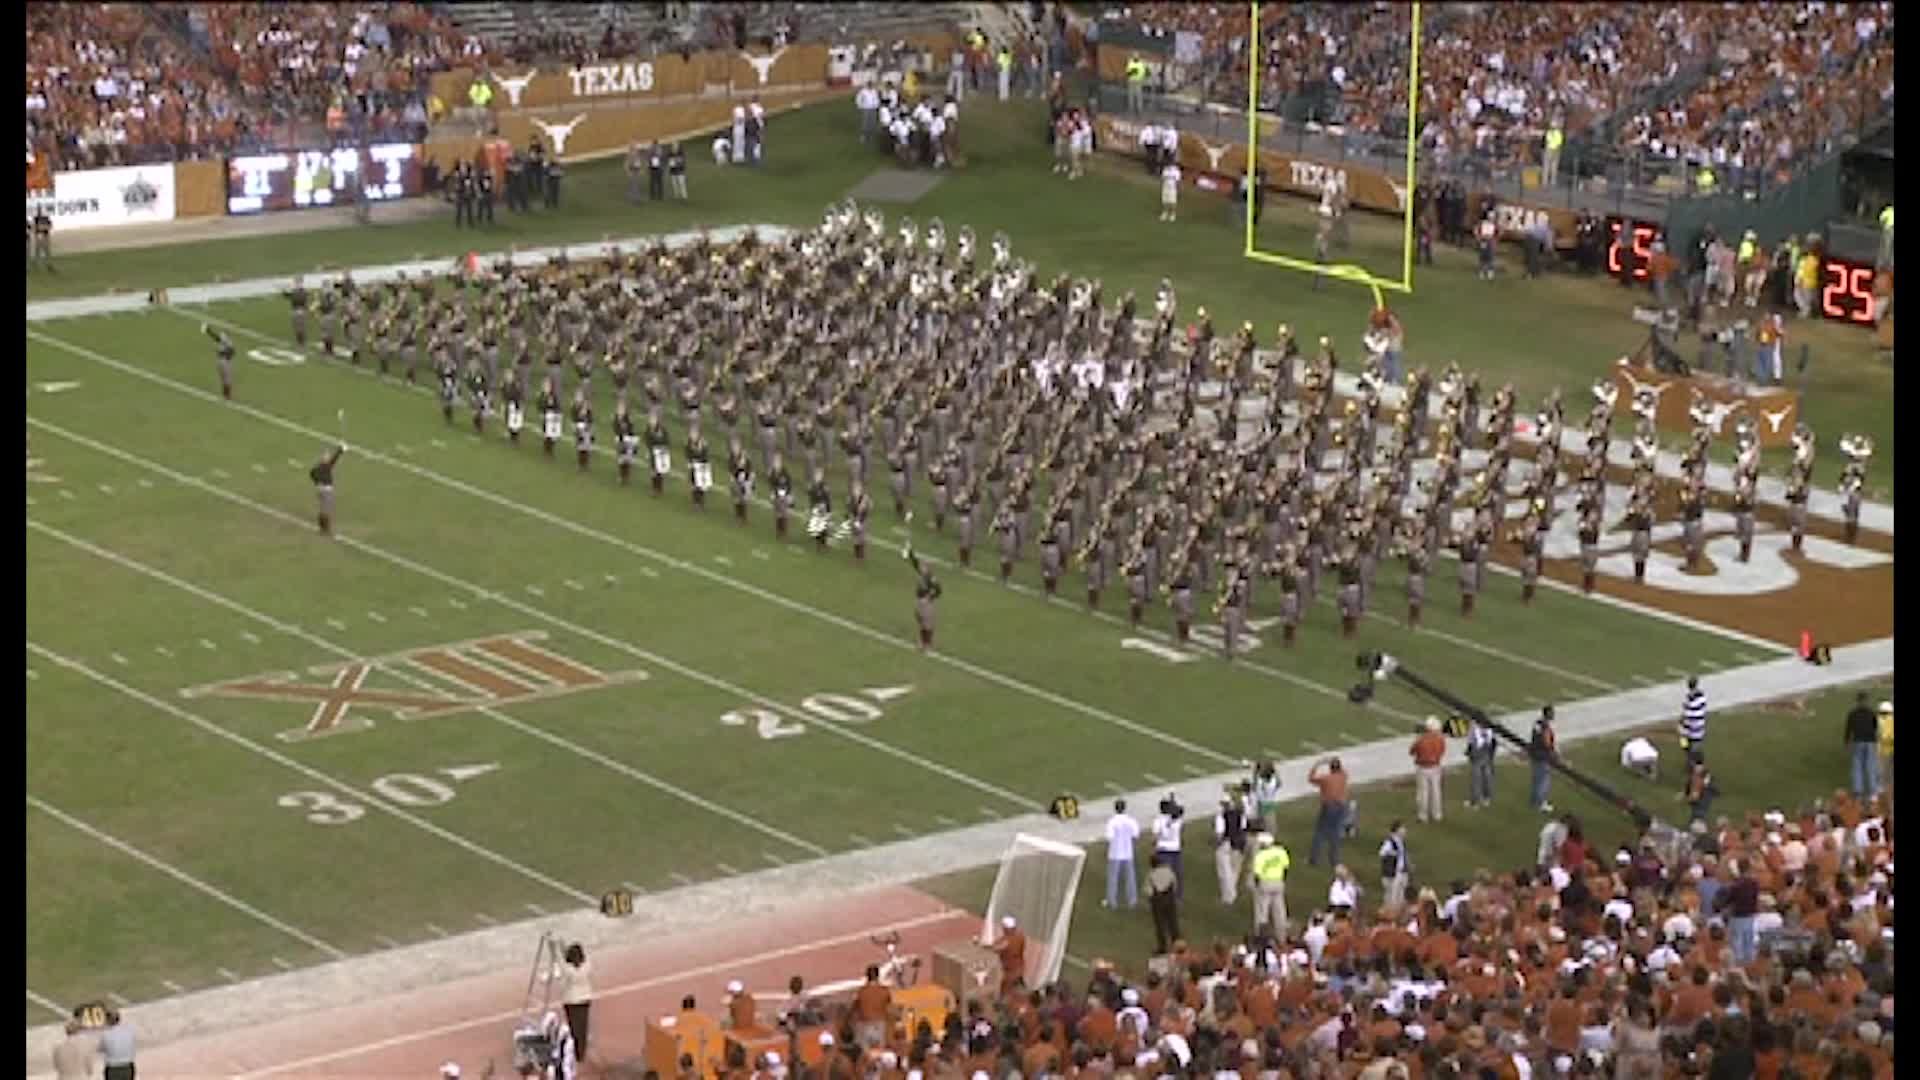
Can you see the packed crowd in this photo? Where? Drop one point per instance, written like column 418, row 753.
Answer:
column 123, row 84
column 1786, row 80
column 1782, row 79
column 1763, row 949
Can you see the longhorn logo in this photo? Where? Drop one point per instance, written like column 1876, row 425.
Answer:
column 763, row 65
column 558, row 134
column 1775, row 419
column 1214, row 153
column 1715, row 413
column 515, row 87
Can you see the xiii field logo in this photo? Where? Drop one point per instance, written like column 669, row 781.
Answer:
column 507, row 669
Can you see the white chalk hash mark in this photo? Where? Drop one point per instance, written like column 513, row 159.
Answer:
column 336, row 624
column 386, row 941
column 228, row 975
column 536, row 590
column 859, row 841
column 574, row 585
column 456, row 602
column 282, row 964
column 106, row 489
column 726, row 870
column 67, row 494
column 163, row 650
column 420, row 611
column 208, row 645
column 903, row 830
column 775, row 859
column 483, row 917
column 376, row 616
column 173, row 986
column 680, row 878
column 758, row 554
column 536, row 909
column 118, row 659
column 632, row 888
column 649, row 571
column 723, row 560
column 259, row 468
column 249, row 637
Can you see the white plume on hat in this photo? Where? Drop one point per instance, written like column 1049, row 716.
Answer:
column 1433, row 723
column 1008, row 921
column 450, row 1071
column 736, row 987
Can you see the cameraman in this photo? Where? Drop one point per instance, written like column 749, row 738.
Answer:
column 1166, row 841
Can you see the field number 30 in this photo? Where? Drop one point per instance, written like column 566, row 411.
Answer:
column 405, row 789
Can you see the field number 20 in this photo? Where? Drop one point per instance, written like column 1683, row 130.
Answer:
column 404, row 789
column 831, row 708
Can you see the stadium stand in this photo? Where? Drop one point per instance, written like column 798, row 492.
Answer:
column 123, row 84
column 1755, row 948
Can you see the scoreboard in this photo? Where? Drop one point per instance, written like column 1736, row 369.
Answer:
column 1846, row 285
column 298, row 179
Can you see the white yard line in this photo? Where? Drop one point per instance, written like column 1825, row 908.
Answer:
column 178, row 874
column 798, row 607
column 343, row 652
column 49, row 1004
column 657, row 660
column 1501, row 654
column 363, row 797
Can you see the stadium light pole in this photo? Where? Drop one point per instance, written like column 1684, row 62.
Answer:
column 1378, row 667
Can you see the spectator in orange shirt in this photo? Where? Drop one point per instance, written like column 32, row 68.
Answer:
column 1428, row 751
column 1012, row 948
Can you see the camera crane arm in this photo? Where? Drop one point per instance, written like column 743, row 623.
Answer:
column 1379, row 666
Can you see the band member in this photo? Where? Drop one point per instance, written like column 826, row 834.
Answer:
column 1417, row 559
column 780, row 482
column 514, row 396
column 1050, row 560
column 1640, row 524
column 477, row 392
column 1800, row 483
column 328, row 303
column 582, row 427
column 966, row 502
column 449, row 384
column 699, row 467
column 1139, row 584
column 1532, row 553
column 1005, row 527
column 626, row 440
column 322, row 476
column 819, row 510
column 1589, row 544
column 859, row 509
column 223, row 358
column 740, row 470
column 1853, row 480
column 1349, row 597
column 298, row 298
column 549, row 415
column 1693, row 505
column 1233, row 610
column 1180, row 593
column 659, row 452
column 925, row 591
column 1743, row 498
column 938, row 474
column 1470, row 565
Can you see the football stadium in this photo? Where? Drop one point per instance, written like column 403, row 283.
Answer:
column 752, row 540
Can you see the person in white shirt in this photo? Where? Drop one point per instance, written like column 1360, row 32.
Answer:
column 867, row 100
column 1343, row 891
column 1122, row 833
column 1641, row 756
column 1316, row 937
column 738, row 144
column 1080, row 145
column 1166, row 842
column 937, row 140
column 1169, row 190
column 757, row 130
column 722, row 150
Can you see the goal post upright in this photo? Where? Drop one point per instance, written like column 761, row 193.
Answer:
column 1342, row 272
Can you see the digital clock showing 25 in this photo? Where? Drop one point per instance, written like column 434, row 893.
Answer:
column 1846, row 285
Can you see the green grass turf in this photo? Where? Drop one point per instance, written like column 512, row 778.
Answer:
column 820, row 624
column 1557, row 331
column 1768, row 757
column 1030, row 698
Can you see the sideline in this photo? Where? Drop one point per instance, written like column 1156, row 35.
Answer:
column 902, row 862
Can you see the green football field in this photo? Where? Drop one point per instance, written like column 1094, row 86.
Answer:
column 507, row 686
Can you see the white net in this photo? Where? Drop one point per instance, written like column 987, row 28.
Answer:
column 1037, row 883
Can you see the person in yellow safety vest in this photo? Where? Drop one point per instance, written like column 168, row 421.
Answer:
column 1270, row 865
column 1885, row 261
column 1806, row 282
column 1550, row 160
column 480, row 95
column 1005, row 62
column 1136, row 83
column 1703, row 180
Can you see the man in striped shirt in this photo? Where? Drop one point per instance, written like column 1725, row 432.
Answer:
column 1693, row 726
